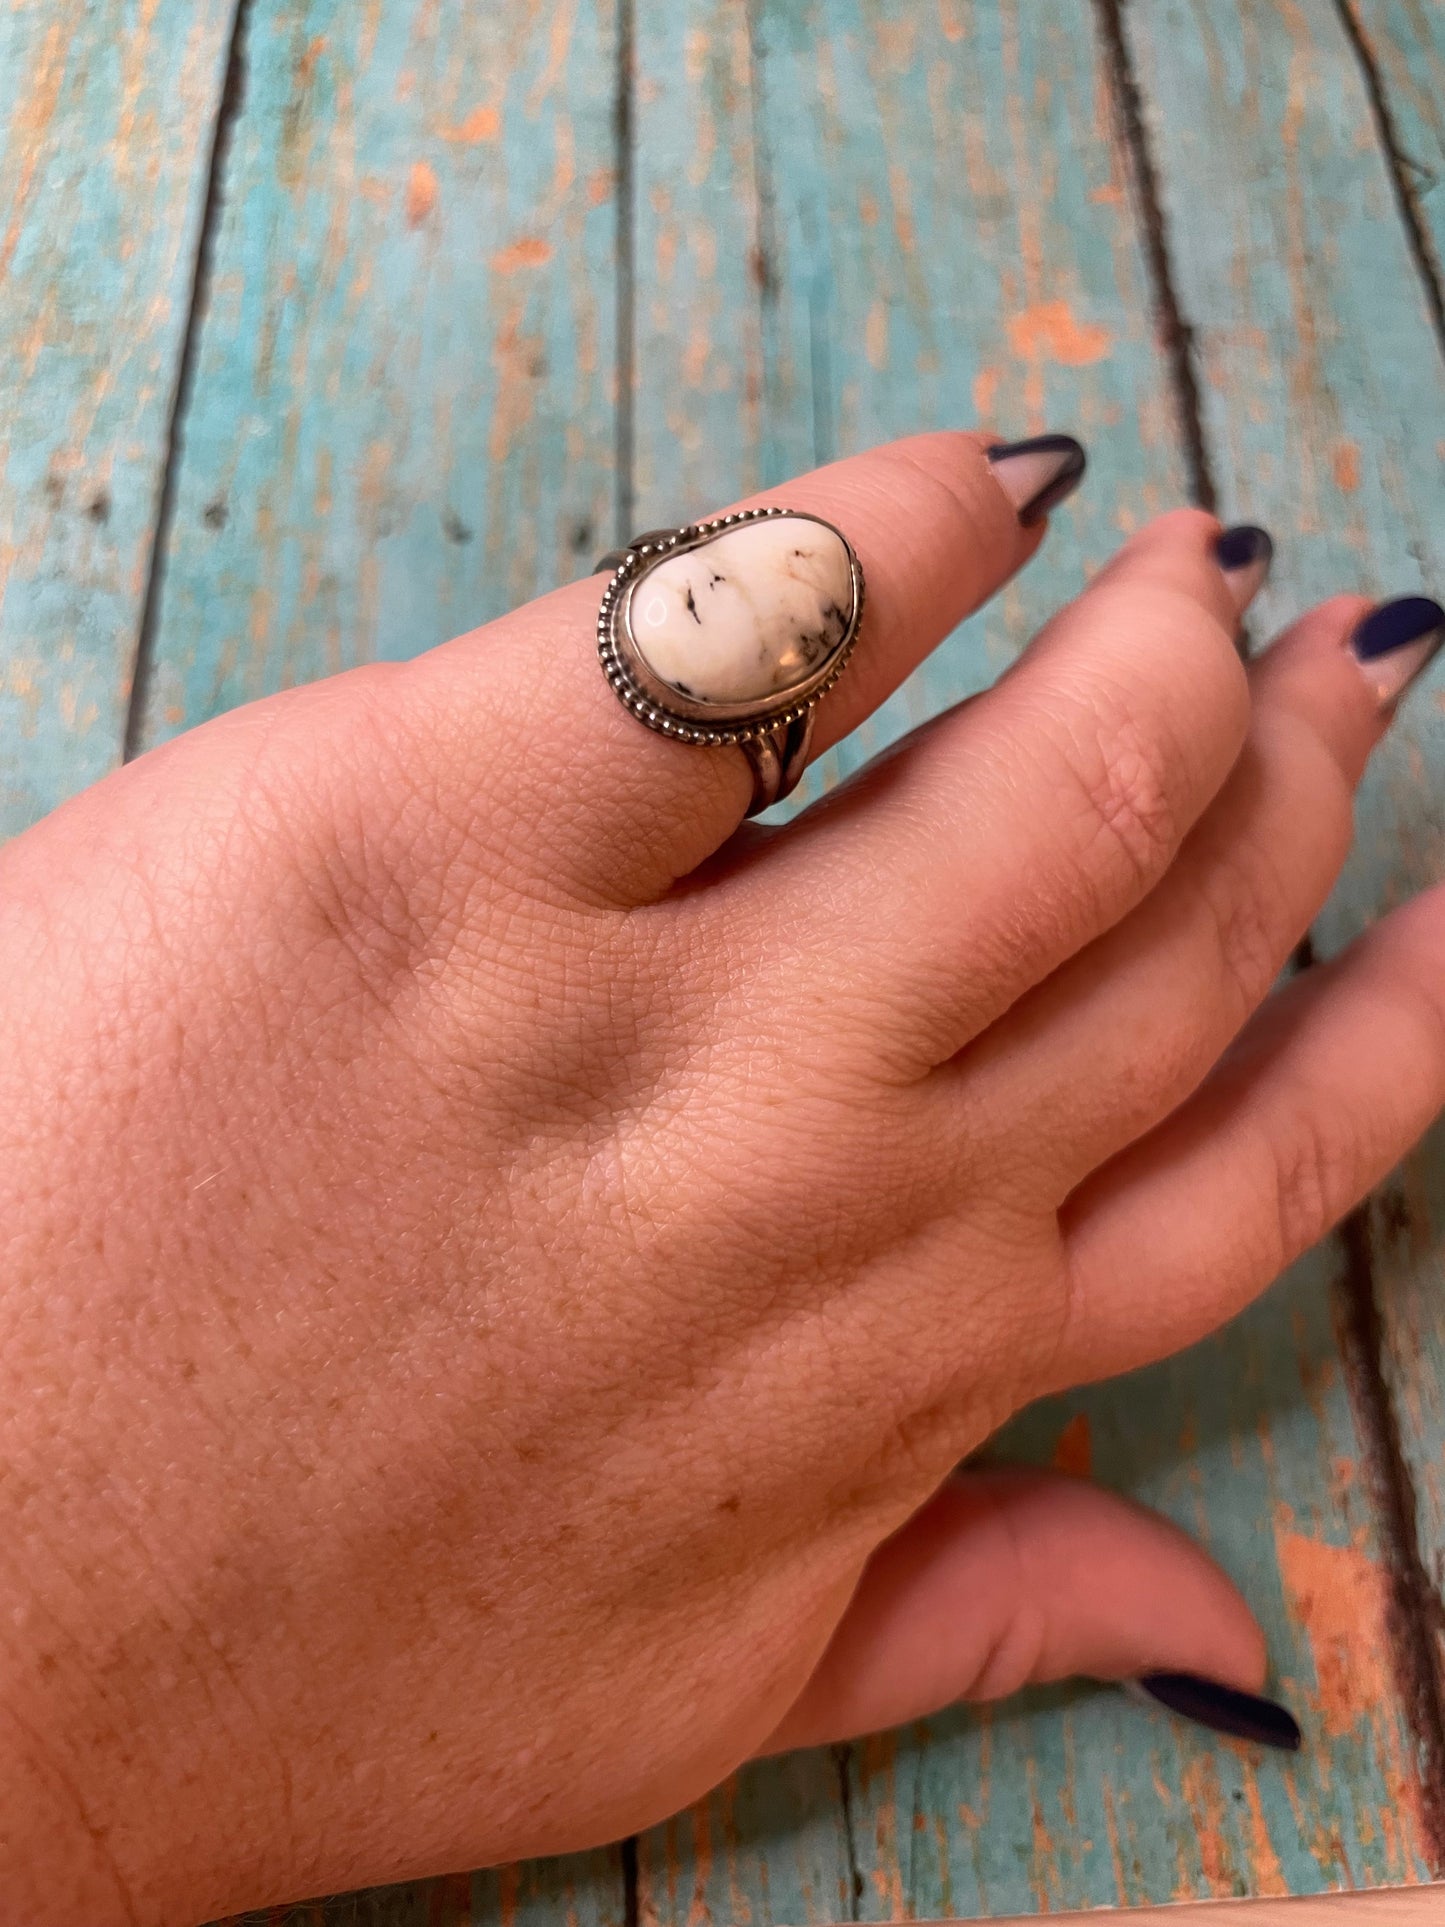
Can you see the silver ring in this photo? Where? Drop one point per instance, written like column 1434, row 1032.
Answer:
column 736, row 645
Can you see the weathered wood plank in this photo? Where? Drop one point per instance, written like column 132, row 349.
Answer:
column 879, row 234
column 402, row 421
column 106, row 117
column 1404, row 42
column 1324, row 391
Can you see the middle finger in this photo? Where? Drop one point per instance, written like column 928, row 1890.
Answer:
column 985, row 850
column 1122, row 1035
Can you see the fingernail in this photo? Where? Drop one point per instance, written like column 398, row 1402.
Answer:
column 1395, row 641
column 1244, row 555
column 1223, row 1709
column 1037, row 475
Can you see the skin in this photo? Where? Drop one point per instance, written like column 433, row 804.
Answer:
column 499, row 1263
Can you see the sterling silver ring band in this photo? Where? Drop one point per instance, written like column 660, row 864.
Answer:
column 730, row 631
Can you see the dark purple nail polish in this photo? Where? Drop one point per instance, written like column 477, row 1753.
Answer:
column 1244, row 547
column 1223, row 1709
column 1037, row 475
column 1395, row 642
column 1244, row 555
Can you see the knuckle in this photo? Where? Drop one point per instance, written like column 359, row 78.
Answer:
column 1243, row 905
column 1313, row 1166
column 1123, row 771
column 1261, row 887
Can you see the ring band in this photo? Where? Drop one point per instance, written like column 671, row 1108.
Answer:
column 730, row 631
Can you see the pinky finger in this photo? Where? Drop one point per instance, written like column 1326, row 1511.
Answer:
column 1334, row 1080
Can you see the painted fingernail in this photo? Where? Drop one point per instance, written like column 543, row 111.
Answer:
column 1244, row 555
column 1037, row 475
column 1395, row 642
column 1223, row 1709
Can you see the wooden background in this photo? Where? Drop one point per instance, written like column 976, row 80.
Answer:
column 330, row 327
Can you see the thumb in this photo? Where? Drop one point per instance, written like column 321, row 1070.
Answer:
column 1008, row 1578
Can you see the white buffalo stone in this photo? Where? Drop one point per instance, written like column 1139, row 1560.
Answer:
column 751, row 614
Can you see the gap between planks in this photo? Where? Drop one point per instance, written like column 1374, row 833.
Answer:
column 1407, row 196
column 1176, row 332
column 228, row 111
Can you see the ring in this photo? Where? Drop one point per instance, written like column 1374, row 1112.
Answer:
column 731, row 631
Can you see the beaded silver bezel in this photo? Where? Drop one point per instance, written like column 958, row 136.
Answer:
column 666, row 709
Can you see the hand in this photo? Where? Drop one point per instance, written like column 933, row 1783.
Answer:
column 499, row 1262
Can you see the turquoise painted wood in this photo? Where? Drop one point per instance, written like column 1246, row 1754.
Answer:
column 717, row 415
column 106, row 117
column 958, row 247
column 1325, row 396
column 403, row 417
column 1405, row 41
column 886, row 251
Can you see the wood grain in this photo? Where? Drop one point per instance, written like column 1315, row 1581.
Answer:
column 403, row 420
column 884, row 253
column 106, row 117
column 1403, row 42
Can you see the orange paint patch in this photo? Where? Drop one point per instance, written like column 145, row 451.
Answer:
column 1044, row 1881
column 1199, row 1783
column 421, row 194
column 1048, row 331
column 1337, row 1594
column 1266, row 1876
column 1346, row 463
column 530, row 252
column 696, row 357
column 1116, row 1857
column 599, row 186
column 306, row 65
column 1074, row 1448
column 985, row 387
column 31, row 123
column 875, row 336
column 482, row 124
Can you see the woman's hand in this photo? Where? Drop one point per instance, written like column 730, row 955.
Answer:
column 492, row 1251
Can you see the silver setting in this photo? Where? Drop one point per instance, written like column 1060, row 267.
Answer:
column 770, row 732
